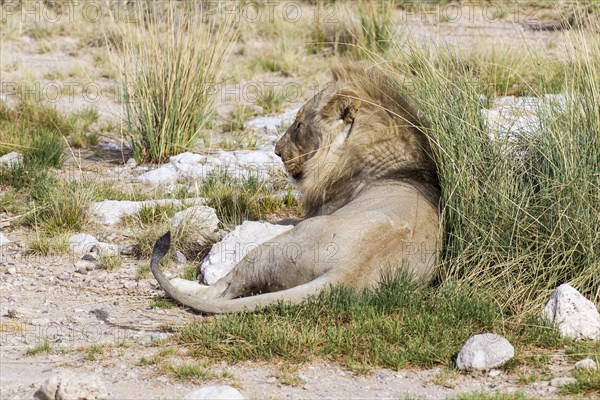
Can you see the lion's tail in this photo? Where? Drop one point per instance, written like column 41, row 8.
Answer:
column 223, row 306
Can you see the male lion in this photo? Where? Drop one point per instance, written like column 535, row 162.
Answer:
column 370, row 190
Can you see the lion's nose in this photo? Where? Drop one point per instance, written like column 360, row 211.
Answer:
column 277, row 151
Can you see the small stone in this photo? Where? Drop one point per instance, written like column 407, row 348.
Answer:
column 220, row 392
column 11, row 270
column 180, row 257
column 64, row 386
column 129, row 249
column 84, row 265
column 89, row 257
column 4, row 240
column 81, row 270
column 129, row 284
column 63, row 276
column 483, row 352
column 16, row 313
column 587, row 363
column 575, row 316
column 494, row 373
column 559, row 382
column 131, row 163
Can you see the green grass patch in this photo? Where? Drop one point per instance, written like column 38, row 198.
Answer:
column 143, row 271
column 155, row 213
column 401, row 324
column 44, row 347
column 238, row 118
column 187, row 371
column 161, row 302
column 190, row 272
column 240, row 140
column 62, row 207
column 40, row 133
column 492, row 396
column 94, row 352
column 45, row 245
column 110, row 262
column 8, row 202
column 237, row 200
column 271, row 100
column 588, row 383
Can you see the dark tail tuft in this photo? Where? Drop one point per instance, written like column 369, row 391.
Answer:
column 161, row 247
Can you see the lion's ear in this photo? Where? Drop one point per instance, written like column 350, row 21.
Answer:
column 343, row 105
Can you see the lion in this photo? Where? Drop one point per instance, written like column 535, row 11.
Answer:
column 363, row 164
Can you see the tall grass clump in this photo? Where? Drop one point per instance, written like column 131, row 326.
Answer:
column 376, row 22
column 357, row 29
column 519, row 217
column 172, row 64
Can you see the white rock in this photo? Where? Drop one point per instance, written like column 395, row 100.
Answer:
column 164, row 175
column 483, row 352
column 82, row 243
column 586, row 363
column 558, row 382
column 220, row 392
column 191, row 166
column 236, row 245
column 574, row 315
column 110, row 212
column 197, row 217
column 11, row 159
column 67, row 386
column 274, row 122
column 108, row 249
column 4, row 240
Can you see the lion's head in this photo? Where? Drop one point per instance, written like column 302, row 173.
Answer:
column 358, row 131
column 318, row 123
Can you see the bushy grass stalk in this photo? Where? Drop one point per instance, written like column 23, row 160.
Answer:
column 515, row 225
column 172, row 67
column 376, row 22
